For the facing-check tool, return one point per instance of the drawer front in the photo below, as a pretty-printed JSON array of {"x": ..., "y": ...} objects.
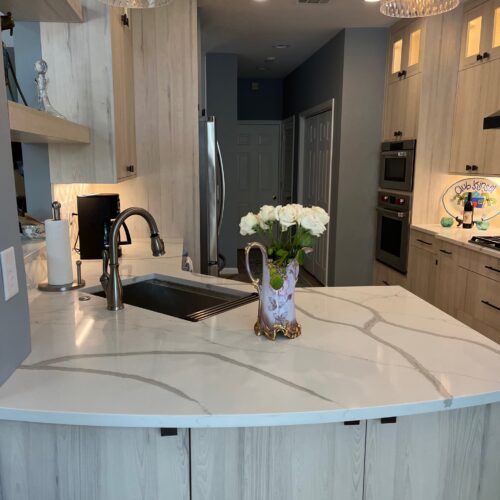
[
  {"x": 481, "y": 264},
  {"x": 446, "y": 252},
  {"x": 385, "y": 276},
  {"x": 423, "y": 240},
  {"x": 482, "y": 299}
]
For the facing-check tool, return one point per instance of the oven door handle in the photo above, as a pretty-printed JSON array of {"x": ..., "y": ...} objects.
[
  {"x": 393, "y": 214},
  {"x": 395, "y": 154}
]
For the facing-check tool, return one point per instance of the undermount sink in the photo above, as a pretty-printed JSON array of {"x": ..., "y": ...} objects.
[{"x": 183, "y": 299}]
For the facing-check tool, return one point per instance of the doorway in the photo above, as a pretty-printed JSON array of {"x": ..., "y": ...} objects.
[
  {"x": 315, "y": 176},
  {"x": 257, "y": 167}
]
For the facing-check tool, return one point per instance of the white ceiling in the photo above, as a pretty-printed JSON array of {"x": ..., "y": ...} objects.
[{"x": 250, "y": 28}]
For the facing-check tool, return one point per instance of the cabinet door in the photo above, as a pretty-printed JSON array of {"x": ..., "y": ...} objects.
[
  {"x": 446, "y": 455},
  {"x": 492, "y": 151},
  {"x": 474, "y": 36},
  {"x": 319, "y": 462},
  {"x": 445, "y": 296},
  {"x": 393, "y": 110},
  {"x": 397, "y": 49},
  {"x": 123, "y": 89},
  {"x": 493, "y": 30},
  {"x": 414, "y": 44},
  {"x": 385, "y": 276},
  {"x": 422, "y": 273},
  {"x": 410, "y": 106},
  {"x": 469, "y": 140}
]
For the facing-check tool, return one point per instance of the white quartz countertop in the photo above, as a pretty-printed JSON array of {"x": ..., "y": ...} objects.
[
  {"x": 460, "y": 236},
  {"x": 365, "y": 352}
]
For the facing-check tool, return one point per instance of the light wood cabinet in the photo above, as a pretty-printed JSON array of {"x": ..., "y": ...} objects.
[
  {"x": 92, "y": 82},
  {"x": 445, "y": 293},
  {"x": 385, "y": 276},
  {"x": 422, "y": 272},
  {"x": 48, "y": 462},
  {"x": 469, "y": 138},
  {"x": 402, "y": 108},
  {"x": 437, "y": 455},
  {"x": 317, "y": 462},
  {"x": 405, "y": 51},
  {"x": 492, "y": 147}
]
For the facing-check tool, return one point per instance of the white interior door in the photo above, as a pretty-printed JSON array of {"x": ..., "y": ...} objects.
[
  {"x": 317, "y": 182},
  {"x": 257, "y": 163}
]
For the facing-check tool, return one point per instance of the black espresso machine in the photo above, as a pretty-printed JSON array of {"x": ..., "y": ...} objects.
[{"x": 96, "y": 213}]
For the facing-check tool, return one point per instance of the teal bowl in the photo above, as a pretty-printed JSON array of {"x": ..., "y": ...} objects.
[{"x": 447, "y": 221}]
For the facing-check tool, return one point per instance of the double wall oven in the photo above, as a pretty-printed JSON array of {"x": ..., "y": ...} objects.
[{"x": 397, "y": 165}]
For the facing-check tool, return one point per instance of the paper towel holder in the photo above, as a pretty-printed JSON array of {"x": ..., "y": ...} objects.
[{"x": 79, "y": 283}]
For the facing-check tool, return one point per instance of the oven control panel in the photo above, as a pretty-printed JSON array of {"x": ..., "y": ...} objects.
[{"x": 401, "y": 202}]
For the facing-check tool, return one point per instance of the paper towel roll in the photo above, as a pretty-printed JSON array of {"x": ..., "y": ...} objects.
[{"x": 59, "y": 265}]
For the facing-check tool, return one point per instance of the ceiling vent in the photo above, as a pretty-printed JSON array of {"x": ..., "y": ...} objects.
[{"x": 313, "y": 1}]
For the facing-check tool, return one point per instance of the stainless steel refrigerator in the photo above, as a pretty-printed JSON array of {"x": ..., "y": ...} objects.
[{"x": 212, "y": 198}]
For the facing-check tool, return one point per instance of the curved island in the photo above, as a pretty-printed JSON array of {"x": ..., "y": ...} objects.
[{"x": 382, "y": 397}]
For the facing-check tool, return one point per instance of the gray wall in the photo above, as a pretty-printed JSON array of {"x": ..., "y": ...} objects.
[
  {"x": 222, "y": 102},
  {"x": 266, "y": 103},
  {"x": 349, "y": 69},
  {"x": 27, "y": 50},
  {"x": 14, "y": 325}
]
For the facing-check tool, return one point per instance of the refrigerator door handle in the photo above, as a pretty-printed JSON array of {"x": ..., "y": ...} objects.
[{"x": 222, "y": 189}]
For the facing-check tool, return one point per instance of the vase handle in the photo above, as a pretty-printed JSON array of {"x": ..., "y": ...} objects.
[{"x": 262, "y": 248}]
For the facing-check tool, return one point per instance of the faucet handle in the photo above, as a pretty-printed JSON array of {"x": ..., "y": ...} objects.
[{"x": 104, "y": 279}]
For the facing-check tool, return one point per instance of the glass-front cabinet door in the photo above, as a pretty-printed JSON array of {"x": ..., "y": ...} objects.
[
  {"x": 396, "y": 48},
  {"x": 474, "y": 36},
  {"x": 414, "y": 46}
]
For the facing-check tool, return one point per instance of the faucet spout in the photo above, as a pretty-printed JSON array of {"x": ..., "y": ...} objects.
[{"x": 111, "y": 281}]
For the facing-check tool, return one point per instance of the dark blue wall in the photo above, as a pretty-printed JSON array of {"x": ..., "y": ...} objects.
[{"x": 266, "y": 103}]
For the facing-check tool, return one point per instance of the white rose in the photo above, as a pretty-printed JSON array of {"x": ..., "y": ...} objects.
[
  {"x": 310, "y": 220},
  {"x": 322, "y": 215},
  {"x": 262, "y": 223},
  {"x": 288, "y": 215},
  {"x": 248, "y": 224},
  {"x": 268, "y": 213}
]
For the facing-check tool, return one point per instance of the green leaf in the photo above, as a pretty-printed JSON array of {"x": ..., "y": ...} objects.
[
  {"x": 276, "y": 281},
  {"x": 300, "y": 257}
]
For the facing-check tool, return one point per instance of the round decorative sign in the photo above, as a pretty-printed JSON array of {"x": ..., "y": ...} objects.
[{"x": 485, "y": 198}]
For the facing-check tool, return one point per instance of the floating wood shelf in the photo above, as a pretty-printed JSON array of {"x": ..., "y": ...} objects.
[
  {"x": 31, "y": 125},
  {"x": 59, "y": 11}
]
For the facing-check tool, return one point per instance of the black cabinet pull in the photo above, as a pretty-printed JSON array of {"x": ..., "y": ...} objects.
[
  {"x": 479, "y": 57},
  {"x": 386, "y": 283},
  {"x": 489, "y": 304},
  {"x": 486, "y": 55},
  {"x": 492, "y": 269},
  {"x": 130, "y": 168},
  {"x": 424, "y": 242},
  {"x": 388, "y": 420},
  {"x": 475, "y": 168},
  {"x": 445, "y": 252},
  {"x": 468, "y": 167},
  {"x": 168, "y": 431},
  {"x": 403, "y": 73},
  {"x": 352, "y": 422},
  {"x": 125, "y": 21}
]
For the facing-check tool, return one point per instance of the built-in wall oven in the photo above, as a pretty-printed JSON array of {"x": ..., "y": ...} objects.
[
  {"x": 393, "y": 229},
  {"x": 397, "y": 165}
]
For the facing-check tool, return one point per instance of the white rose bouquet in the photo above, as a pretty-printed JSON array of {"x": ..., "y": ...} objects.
[{"x": 289, "y": 232}]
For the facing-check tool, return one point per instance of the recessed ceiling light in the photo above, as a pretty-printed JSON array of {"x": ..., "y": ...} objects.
[
  {"x": 281, "y": 46},
  {"x": 262, "y": 68},
  {"x": 372, "y": 1},
  {"x": 270, "y": 59}
]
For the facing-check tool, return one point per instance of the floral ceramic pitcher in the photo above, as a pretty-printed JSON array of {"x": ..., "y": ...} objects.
[{"x": 276, "y": 307}]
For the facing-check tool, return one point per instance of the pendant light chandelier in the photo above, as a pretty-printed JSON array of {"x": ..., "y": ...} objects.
[
  {"x": 136, "y": 4},
  {"x": 416, "y": 8}
]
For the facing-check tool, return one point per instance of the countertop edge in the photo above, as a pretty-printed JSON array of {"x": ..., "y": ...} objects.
[{"x": 244, "y": 421}]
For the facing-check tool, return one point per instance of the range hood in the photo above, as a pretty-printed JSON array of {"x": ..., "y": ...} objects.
[{"x": 492, "y": 121}]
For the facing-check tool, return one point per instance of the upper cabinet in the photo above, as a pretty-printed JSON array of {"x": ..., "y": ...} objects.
[
  {"x": 92, "y": 82},
  {"x": 405, "y": 51},
  {"x": 474, "y": 150},
  {"x": 481, "y": 34},
  {"x": 402, "y": 97}
]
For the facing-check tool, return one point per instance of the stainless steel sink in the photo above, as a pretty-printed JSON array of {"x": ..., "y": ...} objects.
[{"x": 183, "y": 299}]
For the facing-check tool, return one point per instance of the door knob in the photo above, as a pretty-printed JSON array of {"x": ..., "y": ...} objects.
[{"x": 275, "y": 197}]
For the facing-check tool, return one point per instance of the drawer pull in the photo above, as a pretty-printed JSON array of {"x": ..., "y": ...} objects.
[
  {"x": 492, "y": 269},
  {"x": 424, "y": 242},
  {"x": 445, "y": 252},
  {"x": 486, "y": 303},
  {"x": 386, "y": 283}
]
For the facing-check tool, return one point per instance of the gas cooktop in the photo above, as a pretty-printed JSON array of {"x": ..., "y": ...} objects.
[{"x": 487, "y": 241}]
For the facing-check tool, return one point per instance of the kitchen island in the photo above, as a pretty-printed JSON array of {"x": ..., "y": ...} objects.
[{"x": 382, "y": 397}]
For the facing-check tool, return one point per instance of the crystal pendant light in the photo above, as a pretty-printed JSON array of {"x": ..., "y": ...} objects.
[
  {"x": 136, "y": 4},
  {"x": 416, "y": 8}
]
